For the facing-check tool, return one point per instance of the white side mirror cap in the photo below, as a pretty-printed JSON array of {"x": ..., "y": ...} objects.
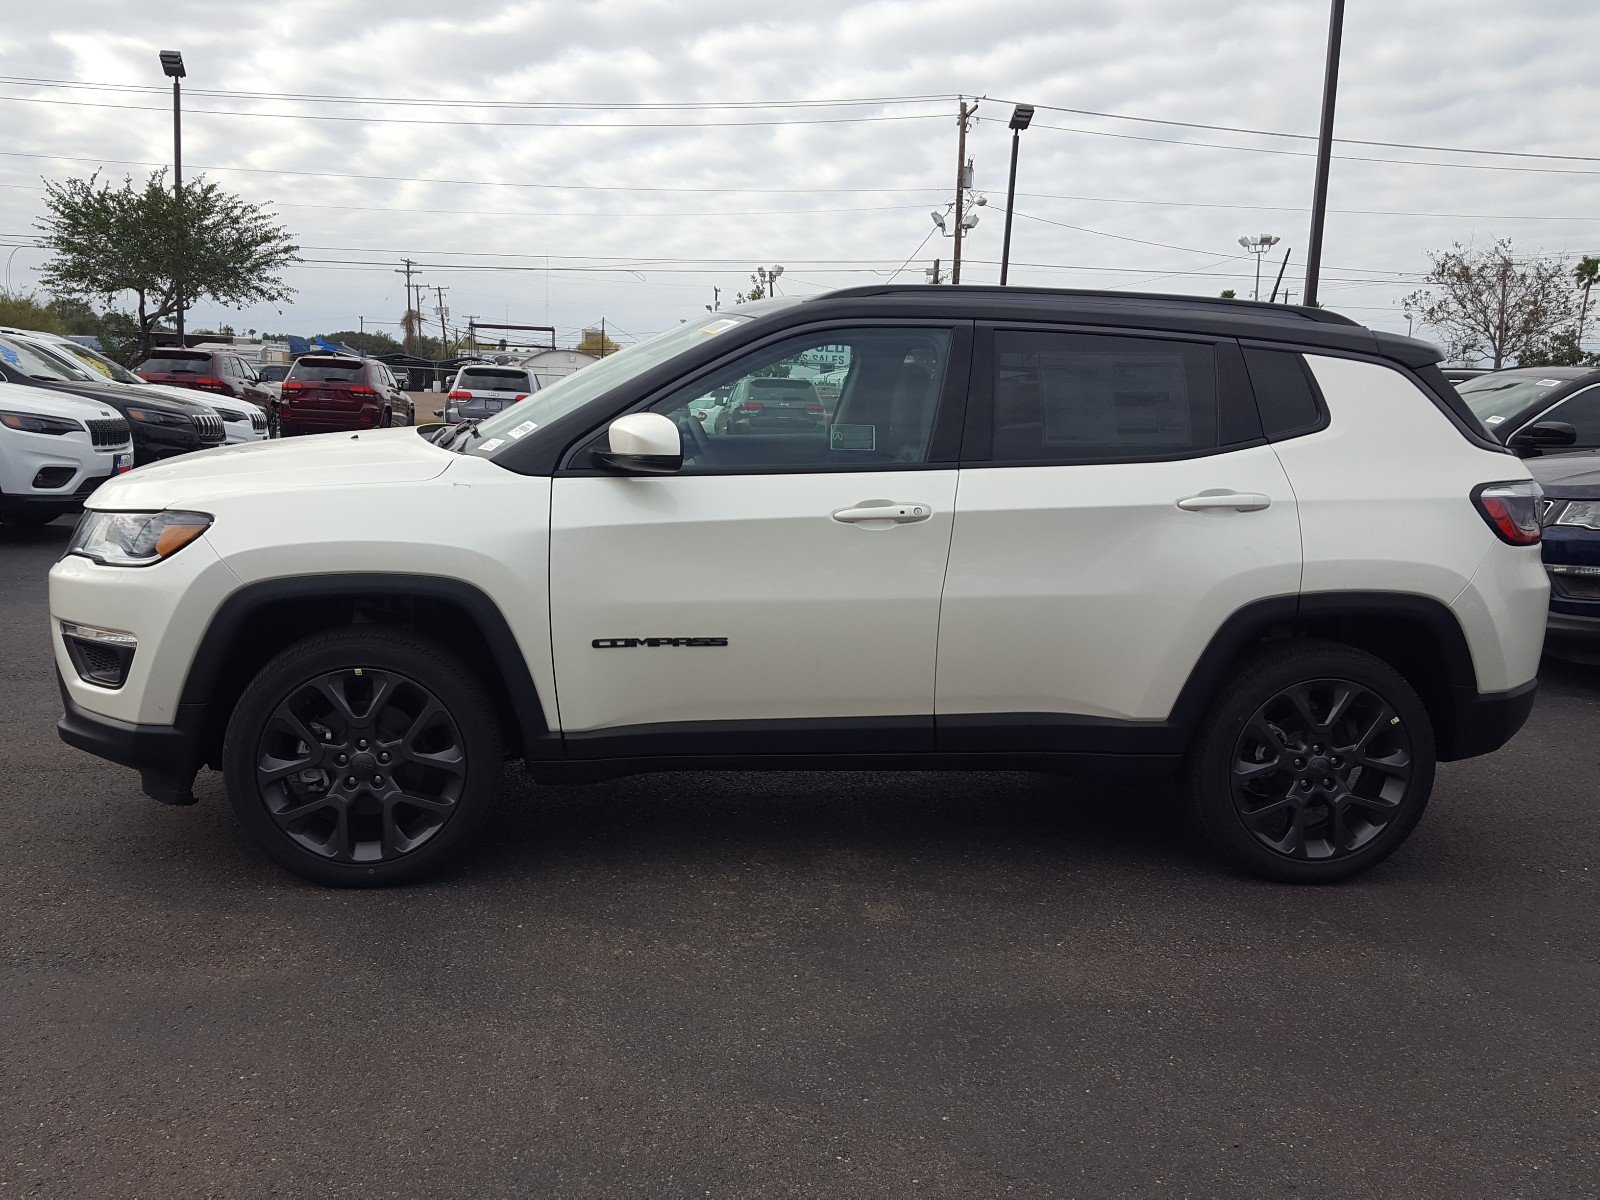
[{"x": 644, "y": 444}]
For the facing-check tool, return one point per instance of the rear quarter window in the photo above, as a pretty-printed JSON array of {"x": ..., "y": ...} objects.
[{"x": 1286, "y": 393}]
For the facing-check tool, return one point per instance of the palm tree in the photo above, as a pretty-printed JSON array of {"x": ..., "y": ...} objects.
[{"x": 1586, "y": 273}]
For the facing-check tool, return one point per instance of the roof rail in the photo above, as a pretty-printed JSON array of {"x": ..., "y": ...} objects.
[{"x": 1163, "y": 299}]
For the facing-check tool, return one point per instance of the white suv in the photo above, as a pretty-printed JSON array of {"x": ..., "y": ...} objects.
[
  {"x": 54, "y": 451},
  {"x": 1256, "y": 548}
]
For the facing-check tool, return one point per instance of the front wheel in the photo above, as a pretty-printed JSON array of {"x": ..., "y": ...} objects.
[
  {"x": 362, "y": 757},
  {"x": 1315, "y": 763}
]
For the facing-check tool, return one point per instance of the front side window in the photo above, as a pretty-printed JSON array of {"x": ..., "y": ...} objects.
[
  {"x": 1073, "y": 397},
  {"x": 1582, "y": 412},
  {"x": 839, "y": 400}
]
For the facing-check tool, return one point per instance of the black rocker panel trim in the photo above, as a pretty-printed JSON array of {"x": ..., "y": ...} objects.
[
  {"x": 703, "y": 739},
  {"x": 233, "y": 616}
]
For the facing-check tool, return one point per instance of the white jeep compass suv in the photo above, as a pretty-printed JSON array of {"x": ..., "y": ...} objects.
[{"x": 1256, "y": 548}]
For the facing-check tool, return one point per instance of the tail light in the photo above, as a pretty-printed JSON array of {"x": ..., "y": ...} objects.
[
  {"x": 1511, "y": 510},
  {"x": 144, "y": 375},
  {"x": 290, "y": 385},
  {"x": 209, "y": 383},
  {"x": 752, "y": 406},
  {"x": 362, "y": 389},
  {"x": 461, "y": 395},
  {"x": 522, "y": 395},
  {"x": 814, "y": 408}
]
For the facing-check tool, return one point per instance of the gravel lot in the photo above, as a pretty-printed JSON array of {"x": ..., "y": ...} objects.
[{"x": 819, "y": 985}]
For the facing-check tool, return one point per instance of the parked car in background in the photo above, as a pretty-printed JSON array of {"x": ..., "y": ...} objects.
[
  {"x": 334, "y": 393},
  {"x": 55, "y": 449},
  {"x": 479, "y": 392},
  {"x": 272, "y": 372},
  {"x": 214, "y": 372},
  {"x": 1462, "y": 374},
  {"x": 1536, "y": 410},
  {"x": 1570, "y": 514},
  {"x": 1143, "y": 537},
  {"x": 773, "y": 405},
  {"x": 242, "y": 421},
  {"x": 163, "y": 425}
]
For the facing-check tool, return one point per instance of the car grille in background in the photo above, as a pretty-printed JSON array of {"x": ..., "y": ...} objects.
[
  {"x": 1575, "y": 583},
  {"x": 210, "y": 428},
  {"x": 258, "y": 420},
  {"x": 109, "y": 433}
]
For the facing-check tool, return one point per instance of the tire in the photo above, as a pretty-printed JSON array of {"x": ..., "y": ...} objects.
[
  {"x": 385, "y": 420},
  {"x": 389, "y": 709},
  {"x": 1314, "y": 764}
]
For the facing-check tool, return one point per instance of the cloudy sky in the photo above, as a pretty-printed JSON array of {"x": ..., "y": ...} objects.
[{"x": 553, "y": 162}]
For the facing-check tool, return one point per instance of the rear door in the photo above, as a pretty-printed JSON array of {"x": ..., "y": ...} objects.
[
  {"x": 780, "y": 593},
  {"x": 1117, "y": 505}
]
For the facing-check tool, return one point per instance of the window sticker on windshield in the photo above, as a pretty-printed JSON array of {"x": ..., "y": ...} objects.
[
  {"x": 11, "y": 356},
  {"x": 719, "y": 326},
  {"x": 492, "y": 444},
  {"x": 524, "y": 429},
  {"x": 1548, "y": 382},
  {"x": 1494, "y": 420},
  {"x": 853, "y": 437}
]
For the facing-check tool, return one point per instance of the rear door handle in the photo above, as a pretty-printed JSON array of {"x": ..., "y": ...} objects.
[
  {"x": 1238, "y": 501},
  {"x": 898, "y": 512}
]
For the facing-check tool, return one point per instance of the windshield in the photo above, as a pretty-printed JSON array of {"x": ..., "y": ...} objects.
[
  {"x": 98, "y": 363},
  {"x": 38, "y": 363},
  {"x": 1496, "y": 398},
  {"x": 572, "y": 392}
]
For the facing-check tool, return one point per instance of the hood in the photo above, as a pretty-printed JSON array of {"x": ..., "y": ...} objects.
[
  {"x": 1567, "y": 476},
  {"x": 120, "y": 395},
  {"x": 43, "y": 402},
  {"x": 327, "y": 460}
]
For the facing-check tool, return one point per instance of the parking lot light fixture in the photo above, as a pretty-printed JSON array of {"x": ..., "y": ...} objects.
[
  {"x": 1021, "y": 118},
  {"x": 1258, "y": 244},
  {"x": 172, "y": 67}
]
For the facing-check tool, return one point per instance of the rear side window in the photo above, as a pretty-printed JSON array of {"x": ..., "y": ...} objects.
[
  {"x": 1286, "y": 394},
  {"x": 1073, "y": 397},
  {"x": 327, "y": 370}
]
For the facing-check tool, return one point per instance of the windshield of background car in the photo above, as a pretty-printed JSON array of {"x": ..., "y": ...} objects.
[
  {"x": 177, "y": 362},
  {"x": 98, "y": 363},
  {"x": 572, "y": 392},
  {"x": 38, "y": 363},
  {"x": 326, "y": 370},
  {"x": 492, "y": 381},
  {"x": 1494, "y": 399}
]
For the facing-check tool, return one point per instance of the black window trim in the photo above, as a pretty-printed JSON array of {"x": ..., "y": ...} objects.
[
  {"x": 977, "y": 446},
  {"x": 1324, "y": 414},
  {"x": 943, "y": 444}
]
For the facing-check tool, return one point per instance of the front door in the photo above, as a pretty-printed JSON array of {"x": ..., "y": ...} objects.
[{"x": 779, "y": 594}]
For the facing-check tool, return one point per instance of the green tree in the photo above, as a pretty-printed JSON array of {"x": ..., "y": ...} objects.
[
  {"x": 144, "y": 241},
  {"x": 1585, "y": 274},
  {"x": 597, "y": 344},
  {"x": 1490, "y": 303},
  {"x": 1228, "y": 295},
  {"x": 373, "y": 342},
  {"x": 757, "y": 291},
  {"x": 24, "y": 312}
]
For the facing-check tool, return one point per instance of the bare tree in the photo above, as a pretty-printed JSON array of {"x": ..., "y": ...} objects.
[{"x": 1488, "y": 303}]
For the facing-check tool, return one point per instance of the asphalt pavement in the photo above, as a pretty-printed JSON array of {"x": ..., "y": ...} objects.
[{"x": 845, "y": 985}]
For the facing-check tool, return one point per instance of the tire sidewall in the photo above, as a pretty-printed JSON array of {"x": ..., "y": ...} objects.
[
  {"x": 393, "y": 650},
  {"x": 1208, "y": 781}
]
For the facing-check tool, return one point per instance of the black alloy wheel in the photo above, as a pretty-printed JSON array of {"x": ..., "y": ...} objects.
[
  {"x": 361, "y": 765},
  {"x": 363, "y": 756},
  {"x": 1314, "y": 762},
  {"x": 1321, "y": 769}
]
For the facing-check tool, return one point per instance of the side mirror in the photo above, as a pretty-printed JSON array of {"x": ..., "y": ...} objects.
[
  {"x": 1543, "y": 435},
  {"x": 643, "y": 444}
]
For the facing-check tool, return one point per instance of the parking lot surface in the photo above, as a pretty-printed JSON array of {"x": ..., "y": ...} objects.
[{"x": 830, "y": 985}]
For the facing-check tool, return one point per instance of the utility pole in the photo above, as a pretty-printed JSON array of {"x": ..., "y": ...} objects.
[
  {"x": 405, "y": 328},
  {"x": 933, "y": 273},
  {"x": 1319, "y": 195},
  {"x": 961, "y": 184},
  {"x": 361, "y": 324},
  {"x": 472, "y": 332},
  {"x": 444, "y": 335},
  {"x": 602, "y": 337}
]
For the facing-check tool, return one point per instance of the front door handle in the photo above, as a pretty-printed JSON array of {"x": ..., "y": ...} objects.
[
  {"x": 896, "y": 512},
  {"x": 1218, "y": 498}
]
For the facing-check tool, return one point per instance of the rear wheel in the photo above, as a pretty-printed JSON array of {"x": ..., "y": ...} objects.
[
  {"x": 1315, "y": 764},
  {"x": 363, "y": 757}
]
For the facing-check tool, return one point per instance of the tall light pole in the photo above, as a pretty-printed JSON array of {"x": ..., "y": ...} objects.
[
  {"x": 172, "y": 66},
  {"x": 1021, "y": 117},
  {"x": 1319, "y": 191},
  {"x": 1258, "y": 244}
]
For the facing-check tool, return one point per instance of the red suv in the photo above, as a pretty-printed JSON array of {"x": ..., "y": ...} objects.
[
  {"x": 333, "y": 393},
  {"x": 218, "y": 372}
]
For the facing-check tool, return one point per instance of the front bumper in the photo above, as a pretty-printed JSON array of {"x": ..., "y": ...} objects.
[{"x": 167, "y": 757}]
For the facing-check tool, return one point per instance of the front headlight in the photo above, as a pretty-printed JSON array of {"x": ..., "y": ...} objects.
[
  {"x": 1580, "y": 512},
  {"x": 150, "y": 416},
  {"x": 116, "y": 539},
  {"x": 30, "y": 423}
]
